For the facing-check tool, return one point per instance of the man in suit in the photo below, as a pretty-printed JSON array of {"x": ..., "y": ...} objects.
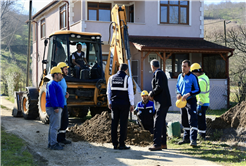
[{"x": 162, "y": 101}]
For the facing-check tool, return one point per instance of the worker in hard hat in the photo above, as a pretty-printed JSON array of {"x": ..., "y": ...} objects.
[
  {"x": 202, "y": 98},
  {"x": 187, "y": 89},
  {"x": 61, "y": 138},
  {"x": 145, "y": 110},
  {"x": 54, "y": 106}
]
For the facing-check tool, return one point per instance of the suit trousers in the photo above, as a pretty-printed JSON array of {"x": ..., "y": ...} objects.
[
  {"x": 189, "y": 120},
  {"x": 119, "y": 113},
  {"x": 202, "y": 122},
  {"x": 160, "y": 130},
  {"x": 64, "y": 124}
]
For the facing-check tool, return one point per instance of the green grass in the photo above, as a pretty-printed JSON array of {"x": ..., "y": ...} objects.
[
  {"x": 212, "y": 151},
  {"x": 3, "y": 107},
  {"x": 14, "y": 150},
  {"x": 11, "y": 99}
]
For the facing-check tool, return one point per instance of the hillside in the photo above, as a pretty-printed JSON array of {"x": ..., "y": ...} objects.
[{"x": 226, "y": 11}]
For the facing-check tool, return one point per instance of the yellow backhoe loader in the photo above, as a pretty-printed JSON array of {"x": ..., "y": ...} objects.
[{"x": 88, "y": 91}]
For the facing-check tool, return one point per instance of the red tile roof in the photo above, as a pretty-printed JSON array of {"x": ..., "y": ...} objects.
[{"x": 143, "y": 43}]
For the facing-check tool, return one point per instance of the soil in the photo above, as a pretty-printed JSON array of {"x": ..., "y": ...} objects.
[
  {"x": 233, "y": 122},
  {"x": 98, "y": 130}
]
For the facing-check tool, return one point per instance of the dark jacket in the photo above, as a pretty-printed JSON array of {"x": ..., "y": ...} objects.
[
  {"x": 119, "y": 88},
  {"x": 160, "y": 91}
]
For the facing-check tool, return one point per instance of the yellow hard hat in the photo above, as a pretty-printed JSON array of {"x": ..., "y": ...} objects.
[
  {"x": 55, "y": 70},
  {"x": 62, "y": 64},
  {"x": 144, "y": 92},
  {"x": 180, "y": 103},
  {"x": 195, "y": 66}
]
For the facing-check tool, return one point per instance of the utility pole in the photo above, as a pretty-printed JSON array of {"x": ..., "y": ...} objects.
[
  {"x": 29, "y": 43},
  {"x": 225, "y": 30}
]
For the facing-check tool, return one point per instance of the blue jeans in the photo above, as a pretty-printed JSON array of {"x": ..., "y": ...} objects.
[
  {"x": 77, "y": 71},
  {"x": 55, "y": 123}
]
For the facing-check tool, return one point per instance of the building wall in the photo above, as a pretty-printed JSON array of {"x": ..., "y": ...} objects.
[
  {"x": 147, "y": 22},
  {"x": 51, "y": 24}
]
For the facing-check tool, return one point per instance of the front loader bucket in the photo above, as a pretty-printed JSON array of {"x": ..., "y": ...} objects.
[{"x": 16, "y": 112}]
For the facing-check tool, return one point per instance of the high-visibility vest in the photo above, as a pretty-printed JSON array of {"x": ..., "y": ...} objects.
[{"x": 203, "y": 96}]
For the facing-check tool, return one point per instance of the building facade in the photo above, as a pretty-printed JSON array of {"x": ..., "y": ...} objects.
[{"x": 169, "y": 31}]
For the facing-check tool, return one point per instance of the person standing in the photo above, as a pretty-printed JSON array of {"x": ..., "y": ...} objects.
[
  {"x": 187, "y": 89},
  {"x": 120, "y": 98},
  {"x": 202, "y": 98},
  {"x": 61, "y": 137},
  {"x": 162, "y": 101},
  {"x": 54, "y": 106},
  {"x": 145, "y": 110}
]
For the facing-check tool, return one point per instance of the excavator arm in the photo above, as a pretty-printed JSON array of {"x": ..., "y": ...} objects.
[{"x": 119, "y": 51}]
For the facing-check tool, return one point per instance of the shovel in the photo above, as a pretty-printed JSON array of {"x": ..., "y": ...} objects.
[{"x": 135, "y": 113}]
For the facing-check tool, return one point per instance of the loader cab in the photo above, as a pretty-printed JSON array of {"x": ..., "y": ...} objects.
[{"x": 62, "y": 44}]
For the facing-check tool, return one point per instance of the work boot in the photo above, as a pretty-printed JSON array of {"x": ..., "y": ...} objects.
[
  {"x": 163, "y": 146},
  {"x": 65, "y": 142},
  {"x": 116, "y": 147},
  {"x": 56, "y": 147},
  {"x": 184, "y": 141},
  {"x": 193, "y": 143},
  {"x": 155, "y": 148},
  {"x": 124, "y": 147}
]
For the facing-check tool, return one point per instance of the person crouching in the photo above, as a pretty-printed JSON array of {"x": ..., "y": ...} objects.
[{"x": 145, "y": 110}]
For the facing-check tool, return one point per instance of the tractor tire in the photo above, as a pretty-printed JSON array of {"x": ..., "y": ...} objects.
[
  {"x": 29, "y": 107},
  {"x": 16, "y": 113},
  {"x": 41, "y": 105},
  {"x": 78, "y": 111},
  {"x": 98, "y": 110}
]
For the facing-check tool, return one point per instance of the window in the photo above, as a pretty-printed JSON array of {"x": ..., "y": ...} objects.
[
  {"x": 99, "y": 11},
  {"x": 174, "y": 12},
  {"x": 214, "y": 66},
  {"x": 135, "y": 68},
  {"x": 130, "y": 13},
  {"x": 63, "y": 17},
  {"x": 43, "y": 28}
]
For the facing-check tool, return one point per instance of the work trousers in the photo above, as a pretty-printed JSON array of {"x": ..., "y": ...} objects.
[
  {"x": 160, "y": 130},
  {"x": 64, "y": 124},
  {"x": 189, "y": 120},
  {"x": 119, "y": 113},
  {"x": 202, "y": 121},
  {"x": 55, "y": 123}
]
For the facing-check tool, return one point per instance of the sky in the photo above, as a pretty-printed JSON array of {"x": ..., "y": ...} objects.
[{"x": 39, "y": 4}]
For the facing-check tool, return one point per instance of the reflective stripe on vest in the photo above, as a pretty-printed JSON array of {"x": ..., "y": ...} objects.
[
  {"x": 121, "y": 88},
  {"x": 207, "y": 91}
]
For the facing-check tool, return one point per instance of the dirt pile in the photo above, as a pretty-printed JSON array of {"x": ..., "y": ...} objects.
[
  {"x": 235, "y": 117},
  {"x": 98, "y": 129}
]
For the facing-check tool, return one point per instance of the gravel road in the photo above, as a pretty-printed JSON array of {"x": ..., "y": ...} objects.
[{"x": 84, "y": 153}]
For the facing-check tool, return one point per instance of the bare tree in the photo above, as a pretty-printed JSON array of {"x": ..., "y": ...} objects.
[{"x": 6, "y": 8}]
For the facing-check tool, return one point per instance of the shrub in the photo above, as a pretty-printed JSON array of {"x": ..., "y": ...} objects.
[{"x": 13, "y": 77}]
